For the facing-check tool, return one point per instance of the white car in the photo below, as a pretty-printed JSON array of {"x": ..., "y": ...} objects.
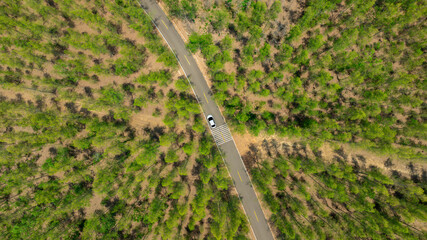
[{"x": 211, "y": 121}]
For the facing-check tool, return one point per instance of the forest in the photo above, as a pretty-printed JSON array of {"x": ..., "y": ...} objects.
[
  {"x": 325, "y": 71},
  {"x": 310, "y": 198},
  {"x": 102, "y": 138},
  {"x": 76, "y": 160},
  {"x": 338, "y": 73}
]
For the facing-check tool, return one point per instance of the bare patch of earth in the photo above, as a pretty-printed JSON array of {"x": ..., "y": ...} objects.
[
  {"x": 95, "y": 204},
  {"x": 353, "y": 155}
]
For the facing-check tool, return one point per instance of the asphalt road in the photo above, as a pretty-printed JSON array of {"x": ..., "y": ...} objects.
[{"x": 221, "y": 133}]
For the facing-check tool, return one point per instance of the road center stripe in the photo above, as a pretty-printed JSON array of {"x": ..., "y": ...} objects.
[
  {"x": 165, "y": 25},
  {"x": 206, "y": 98},
  {"x": 256, "y": 216}
]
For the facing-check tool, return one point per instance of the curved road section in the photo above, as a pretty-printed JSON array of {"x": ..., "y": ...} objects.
[{"x": 221, "y": 133}]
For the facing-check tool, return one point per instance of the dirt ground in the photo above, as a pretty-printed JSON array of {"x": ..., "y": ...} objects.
[
  {"x": 363, "y": 158},
  {"x": 95, "y": 204}
]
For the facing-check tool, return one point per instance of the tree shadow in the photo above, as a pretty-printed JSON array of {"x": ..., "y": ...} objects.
[
  {"x": 85, "y": 112},
  {"x": 71, "y": 107},
  {"x": 396, "y": 174},
  {"x": 355, "y": 163},
  {"x": 265, "y": 145},
  {"x": 130, "y": 132},
  {"x": 109, "y": 117},
  {"x": 251, "y": 157},
  {"x": 318, "y": 153},
  {"x": 40, "y": 104},
  {"x": 388, "y": 163},
  {"x": 361, "y": 158},
  {"x": 275, "y": 145},
  {"x": 232, "y": 30},
  {"x": 299, "y": 150},
  {"x": 52, "y": 151},
  {"x": 286, "y": 148},
  {"x": 414, "y": 172},
  {"x": 154, "y": 132},
  {"x": 274, "y": 39},
  {"x": 88, "y": 92},
  {"x": 362, "y": 161},
  {"x": 18, "y": 98},
  {"x": 195, "y": 171},
  {"x": 341, "y": 153},
  {"x": 337, "y": 158},
  {"x": 193, "y": 234},
  {"x": 424, "y": 176},
  {"x": 267, "y": 65}
]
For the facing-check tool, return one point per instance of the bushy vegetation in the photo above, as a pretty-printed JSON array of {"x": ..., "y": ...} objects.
[{"x": 74, "y": 165}]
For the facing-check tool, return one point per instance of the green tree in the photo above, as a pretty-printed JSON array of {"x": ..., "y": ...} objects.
[
  {"x": 226, "y": 43},
  {"x": 148, "y": 154},
  {"x": 264, "y": 52},
  {"x": 205, "y": 176},
  {"x": 243, "y": 22},
  {"x": 111, "y": 97},
  {"x": 168, "y": 179},
  {"x": 301, "y": 58},
  {"x": 189, "y": 8},
  {"x": 178, "y": 190},
  {"x": 188, "y": 148},
  {"x": 155, "y": 211},
  {"x": 205, "y": 146},
  {"x": 259, "y": 9},
  {"x": 285, "y": 52},
  {"x": 47, "y": 192},
  {"x": 274, "y": 10},
  {"x": 248, "y": 53},
  {"x": 167, "y": 139},
  {"x": 220, "y": 19},
  {"x": 171, "y": 156},
  {"x": 294, "y": 33},
  {"x": 198, "y": 126},
  {"x": 182, "y": 85},
  {"x": 316, "y": 42}
]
